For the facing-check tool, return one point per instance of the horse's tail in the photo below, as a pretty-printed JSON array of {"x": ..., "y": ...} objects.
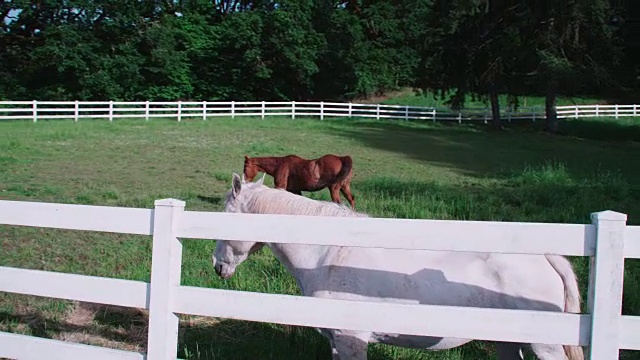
[
  {"x": 571, "y": 297},
  {"x": 345, "y": 170}
]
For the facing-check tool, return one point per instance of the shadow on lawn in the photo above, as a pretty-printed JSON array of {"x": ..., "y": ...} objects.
[
  {"x": 245, "y": 340},
  {"x": 475, "y": 151},
  {"x": 107, "y": 325}
]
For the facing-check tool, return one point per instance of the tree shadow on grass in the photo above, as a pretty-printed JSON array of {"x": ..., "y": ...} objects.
[
  {"x": 604, "y": 129},
  {"x": 108, "y": 326},
  {"x": 233, "y": 339},
  {"x": 247, "y": 340},
  {"x": 475, "y": 151}
]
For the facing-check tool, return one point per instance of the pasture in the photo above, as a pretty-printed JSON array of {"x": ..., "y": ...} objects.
[{"x": 401, "y": 169}]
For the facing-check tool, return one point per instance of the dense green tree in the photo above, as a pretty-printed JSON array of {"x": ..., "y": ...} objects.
[
  {"x": 472, "y": 47},
  {"x": 574, "y": 48},
  {"x": 309, "y": 49}
]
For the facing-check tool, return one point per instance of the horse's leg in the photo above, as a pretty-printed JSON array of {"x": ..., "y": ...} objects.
[
  {"x": 281, "y": 179},
  {"x": 348, "y": 345},
  {"x": 335, "y": 193},
  {"x": 509, "y": 351},
  {"x": 346, "y": 191},
  {"x": 548, "y": 352}
]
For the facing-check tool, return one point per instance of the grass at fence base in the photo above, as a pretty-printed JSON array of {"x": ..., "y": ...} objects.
[{"x": 402, "y": 169}]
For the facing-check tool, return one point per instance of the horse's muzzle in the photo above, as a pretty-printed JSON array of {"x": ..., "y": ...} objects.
[{"x": 223, "y": 271}]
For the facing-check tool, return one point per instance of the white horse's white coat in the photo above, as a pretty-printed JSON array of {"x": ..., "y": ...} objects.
[{"x": 510, "y": 281}]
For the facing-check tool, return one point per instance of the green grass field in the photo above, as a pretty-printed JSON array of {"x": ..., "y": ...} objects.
[{"x": 402, "y": 169}]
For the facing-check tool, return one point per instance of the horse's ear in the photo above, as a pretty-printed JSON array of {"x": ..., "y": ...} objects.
[
  {"x": 246, "y": 158},
  {"x": 261, "y": 180},
  {"x": 236, "y": 185}
]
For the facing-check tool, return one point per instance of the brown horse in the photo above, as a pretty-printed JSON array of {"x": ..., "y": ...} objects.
[{"x": 296, "y": 174}]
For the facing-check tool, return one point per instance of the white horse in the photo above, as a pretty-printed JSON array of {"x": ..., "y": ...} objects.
[{"x": 508, "y": 281}]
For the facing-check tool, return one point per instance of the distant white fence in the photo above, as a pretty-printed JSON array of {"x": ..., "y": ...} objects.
[
  {"x": 608, "y": 241},
  {"x": 41, "y": 110},
  {"x": 579, "y": 111},
  {"x": 44, "y": 110}
]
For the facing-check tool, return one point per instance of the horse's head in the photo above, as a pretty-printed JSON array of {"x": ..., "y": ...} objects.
[
  {"x": 251, "y": 168},
  {"x": 229, "y": 254}
]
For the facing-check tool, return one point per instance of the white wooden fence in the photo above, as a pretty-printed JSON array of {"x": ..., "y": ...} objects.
[
  {"x": 608, "y": 241},
  {"x": 41, "y": 110},
  {"x": 578, "y": 111}
]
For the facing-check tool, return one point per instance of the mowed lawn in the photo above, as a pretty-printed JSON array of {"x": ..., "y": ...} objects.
[{"x": 402, "y": 169}]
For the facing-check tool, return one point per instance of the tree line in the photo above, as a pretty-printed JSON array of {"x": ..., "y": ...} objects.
[{"x": 317, "y": 49}]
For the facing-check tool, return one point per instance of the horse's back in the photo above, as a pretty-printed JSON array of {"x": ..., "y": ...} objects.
[
  {"x": 446, "y": 278},
  {"x": 332, "y": 166}
]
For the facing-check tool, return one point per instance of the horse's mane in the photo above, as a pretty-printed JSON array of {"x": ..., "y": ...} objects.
[{"x": 265, "y": 200}]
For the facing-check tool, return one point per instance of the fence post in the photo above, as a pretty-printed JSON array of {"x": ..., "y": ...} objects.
[
  {"x": 293, "y": 110},
  {"x": 533, "y": 111},
  {"x": 406, "y": 112},
  {"x": 35, "y": 110},
  {"x": 350, "y": 109},
  {"x": 262, "y": 111},
  {"x": 110, "y": 110},
  {"x": 162, "y": 342},
  {"x": 616, "y": 108},
  {"x": 321, "y": 110},
  {"x": 377, "y": 111},
  {"x": 233, "y": 109},
  {"x": 459, "y": 117},
  {"x": 597, "y": 110},
  {"x": 605, "y": 284},
  {"x": 76, "y": 111},
  {"x": 576, "y": 112},
  {"x": 179, "y": 111},
  {"x": 485, "y": 115},
  {"x": 204, "y": 110},
  {"x": 146, "y": 110},
  {"x": 434, "y": 114},
  {"x": 634, "y": 110}
]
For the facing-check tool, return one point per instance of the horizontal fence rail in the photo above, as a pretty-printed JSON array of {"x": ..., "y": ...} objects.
[
  {"x": 607, "y": 240},
  {"x": 580, "y": 111},
  {"x": 181, "y": 110}
]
